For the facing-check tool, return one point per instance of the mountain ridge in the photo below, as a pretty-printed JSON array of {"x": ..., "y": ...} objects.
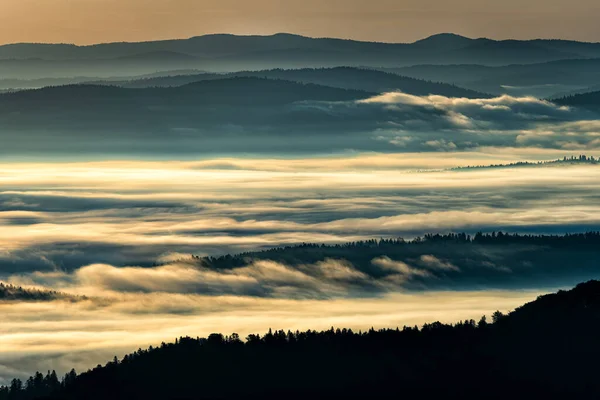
[
  {"x": 268, "y": 51},
  {"x": 432, "y": 36},
  {"x": 340, "y": 77}
]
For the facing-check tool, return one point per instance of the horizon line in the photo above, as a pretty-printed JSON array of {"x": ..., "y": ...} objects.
[{"x": 249, "y": 35}]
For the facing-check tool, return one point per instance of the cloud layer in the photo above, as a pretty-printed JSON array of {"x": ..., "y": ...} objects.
[
  {"x": 121, "y": 232},
  {"x": 62, "y": 335},
  {"x": 430, "y": 123},
  {"x": 64, "y": 216},
  {"x": 261, "y": 277}
]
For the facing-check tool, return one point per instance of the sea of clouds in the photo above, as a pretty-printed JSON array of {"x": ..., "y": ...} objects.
[{"x": 121, "y": 232}]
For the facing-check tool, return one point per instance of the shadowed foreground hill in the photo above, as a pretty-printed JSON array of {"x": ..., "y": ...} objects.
[{"x": 545, "y": 349}]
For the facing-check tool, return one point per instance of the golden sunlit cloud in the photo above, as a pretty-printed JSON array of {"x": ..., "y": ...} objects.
[
  {"x": 63, "y": 335},
  {"x": 82, "y": 228}
]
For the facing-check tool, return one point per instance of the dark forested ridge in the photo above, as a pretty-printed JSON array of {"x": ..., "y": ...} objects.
[
  {"x": 545, "y": 349},
  {"x": 452, "y": 261},
  {"x": 246, "y": 101},
  {"x": 228, "y": 90},
  {"x": 586, "y": 100},
  {"x": 586, "y": 239},
  {"x": 211, "y": 113}
]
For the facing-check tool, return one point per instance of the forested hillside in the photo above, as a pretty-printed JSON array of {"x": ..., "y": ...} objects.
[{"x": 544, "y": 349}]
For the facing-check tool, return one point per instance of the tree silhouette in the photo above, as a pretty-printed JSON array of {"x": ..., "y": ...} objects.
[{"x": 544, "y": 349}]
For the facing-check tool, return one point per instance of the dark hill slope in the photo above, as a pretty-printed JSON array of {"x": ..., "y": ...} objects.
[
  {"x": 86, "y": 110},
  {"x": 545, "y": 349},
  {"x": 228, "y": 91}
]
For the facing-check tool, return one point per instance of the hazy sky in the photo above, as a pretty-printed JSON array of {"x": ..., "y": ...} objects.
[{"x": 92, "y": 21}]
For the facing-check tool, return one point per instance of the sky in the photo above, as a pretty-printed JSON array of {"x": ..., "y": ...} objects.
[{"x": 95, "y": 21}]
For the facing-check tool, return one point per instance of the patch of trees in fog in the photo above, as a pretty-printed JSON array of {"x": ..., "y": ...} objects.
[
  {"x": 573, "y": 160},
  {"x": 10, "y": 292}
]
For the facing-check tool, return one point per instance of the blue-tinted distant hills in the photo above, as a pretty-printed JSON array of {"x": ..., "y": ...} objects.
[
  {"x": 225, "y": 45},
  {"x": 588, "y": 89},
  {"x": 164, "y": 55},
  {"x": 85, "y": 108},
  {"x": 540, "y": 79},
  {"x": 19, "y": 84},
  {"x": 445, "y": 41},
  {"x": 229, "y": 53},
  {"x": 339, "y": 77},
  {"x": 226, "y": 115},
  {"x": 230, "y": 91}
]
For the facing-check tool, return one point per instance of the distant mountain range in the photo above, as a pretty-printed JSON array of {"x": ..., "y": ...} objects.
[
  {"x": 230, "y": 114},
  {"x": 250, "y": 112},
  {"x": 18, "y": 84},
  {"x": 230, "y": 53},
  {"x": 541, "y": 79},
  {"x": 234, "y": 91},
  {"x": 339, "y": 77},
  {"x": 242, "y": 99},
  {"x": 588, "y": 89}
]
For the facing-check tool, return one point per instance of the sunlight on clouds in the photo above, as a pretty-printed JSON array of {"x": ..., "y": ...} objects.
[
  {"x": 175, "y": 204},
  {"x": 63, "y": 335},
  {"x": 167, "y": 210},
  {"x": 98, "y": 228}
]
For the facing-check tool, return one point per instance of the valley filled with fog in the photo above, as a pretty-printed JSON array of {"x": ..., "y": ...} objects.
[{"x": 236, "y": 184}]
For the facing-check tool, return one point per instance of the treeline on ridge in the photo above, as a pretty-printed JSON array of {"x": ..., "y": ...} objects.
[
  {"x": 545, "y": 349},
  {"x": 428, "y": 242}
]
